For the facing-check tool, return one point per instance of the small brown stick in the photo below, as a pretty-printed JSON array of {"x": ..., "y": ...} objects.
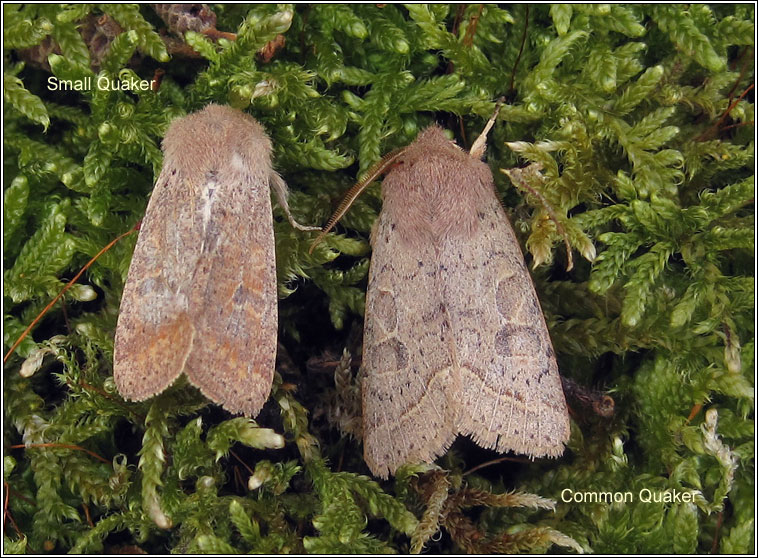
[
  {"x": 155, "y": 83},
  {"x": 63, "y": 291},
  {"x": 744, "y": 67},
  {"x": 245, "y": 465},
  {"x": 739, "y": 124},
  {"x": 215, "y": 34},
  {"x": 458, "y": 17},
  {"x": 7, "y": 514},
  {"x": 495, "y": 462},
  {"x": 87, "y": 515},
  {"x": 520, "y": 50},
  {"x": 468, "y": 39},
  {"x": 64, "y": 446},
  {"x": 238, "y": 480},
  {"x": 719, "y": 522},
  {"x": 712, "y": 130}
]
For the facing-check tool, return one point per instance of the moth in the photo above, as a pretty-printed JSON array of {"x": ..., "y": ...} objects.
[
  {"x": 455, "y": 341},
  {"x": 200, "y": 297}
]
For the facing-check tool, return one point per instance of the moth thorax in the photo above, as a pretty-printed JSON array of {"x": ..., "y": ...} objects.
[{"x": 439, "y": 196}]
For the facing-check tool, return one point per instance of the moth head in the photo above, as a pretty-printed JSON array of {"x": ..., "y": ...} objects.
[{"x": 432, "y": 138}]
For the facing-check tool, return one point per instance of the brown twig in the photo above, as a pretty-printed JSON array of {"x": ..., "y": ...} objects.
[
  {"x": 245, "y": 465},
  {"x": 458, "y": 18},
  {"x": 744, "y": 67},
  {"x": 495, "y": 462},
  {"x": 468, "y": 38},
  {"x": 468, "y": 41},
  {"x": 738, "y": 124},
  {"x": 719, "y": 522},
  {"x": 239, "y": 483},
  {"x": 520, "y": 50},
  {"x": 712, "y": 129},
  {"x": 7, "y": 516},
  {"x": 215, "y": 34},
  {"x": 17, "y": 494},
  {"x": 155, "y": 83},
  {"x": 66, "y": 288},
  {"x": 64, "y": 446},
  {"x": 85, "y": 507}
]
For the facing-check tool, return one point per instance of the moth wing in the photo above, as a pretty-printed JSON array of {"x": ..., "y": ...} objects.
[
  {"x": 234, "y": 298},
  {"x": 512, "y": 397},
  {"x": 201, "y": 293},
  {"x": 154, "y": 326},
  {"x": 408, "y": 383}
]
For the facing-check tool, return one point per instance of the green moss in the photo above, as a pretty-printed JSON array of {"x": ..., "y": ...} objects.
[{"x": 639, "y": 121}]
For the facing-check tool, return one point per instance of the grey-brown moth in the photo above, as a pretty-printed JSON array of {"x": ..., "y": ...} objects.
[
  {"x": 200, "y": 298},
  {"x": 454, "y": 341}
]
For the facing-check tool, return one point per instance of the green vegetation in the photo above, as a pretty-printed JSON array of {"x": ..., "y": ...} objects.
[{"x": 638, "y": 123}]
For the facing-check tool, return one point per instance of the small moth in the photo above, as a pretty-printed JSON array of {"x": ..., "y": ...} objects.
[
  {"x": 454, "y": 340},
  {"x": 200, "y": 297}
]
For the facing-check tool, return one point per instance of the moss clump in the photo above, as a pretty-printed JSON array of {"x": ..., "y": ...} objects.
[{"x": 638, "y": 121}]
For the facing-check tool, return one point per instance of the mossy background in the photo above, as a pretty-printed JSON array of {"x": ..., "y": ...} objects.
[{"x": 642, "y": 119}]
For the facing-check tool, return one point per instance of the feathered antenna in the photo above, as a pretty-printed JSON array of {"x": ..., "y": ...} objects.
[
  {"x": 480, "y": 144},
  {"x": 352, "y": 194},
  {"x": 477, "y": 150}
]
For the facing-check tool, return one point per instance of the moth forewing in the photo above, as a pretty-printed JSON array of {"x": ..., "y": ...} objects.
[
  {"x": 455, "y": 341},
  {"x": 200, "y": 297},
  {"x": 512, "y": 398}
]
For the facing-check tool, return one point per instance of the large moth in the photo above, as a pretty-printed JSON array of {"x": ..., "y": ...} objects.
[
  {"x": 200, "y": 297},
  {"x": 454, "y": 340}
]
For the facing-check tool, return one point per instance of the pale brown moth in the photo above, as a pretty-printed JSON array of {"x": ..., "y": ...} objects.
[
  {"x": 454, "y": 341},
  {"x": 200, "y": 297}
]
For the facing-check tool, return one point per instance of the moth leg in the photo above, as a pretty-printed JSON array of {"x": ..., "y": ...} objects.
[{"x": 280, "y": 189}]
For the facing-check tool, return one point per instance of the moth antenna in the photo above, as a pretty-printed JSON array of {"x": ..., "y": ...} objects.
[
  {"x": 279, "y": 186},
  {"x": 480, "y": 144},
  {"x": 518, "y": 181},
  {"x": 66, "y": 288},
  {"x": 352, "y": 194}
]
